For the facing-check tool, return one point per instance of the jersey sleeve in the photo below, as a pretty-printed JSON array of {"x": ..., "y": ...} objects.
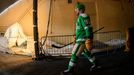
[{"x": 86, "y": 23}]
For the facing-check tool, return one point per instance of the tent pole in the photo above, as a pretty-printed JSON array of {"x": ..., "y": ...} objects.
[{"x": 35, "y": 28}]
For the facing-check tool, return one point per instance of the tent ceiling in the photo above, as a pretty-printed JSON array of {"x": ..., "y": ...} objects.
[{"x": 5, "y": 3}]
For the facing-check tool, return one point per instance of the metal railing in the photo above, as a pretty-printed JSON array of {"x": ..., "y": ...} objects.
[{"x": 60, "y": 40}]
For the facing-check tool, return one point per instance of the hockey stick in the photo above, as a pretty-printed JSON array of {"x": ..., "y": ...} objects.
[
  {"x": 61, "y": 46},
  {"x": 73, "y": 42}
]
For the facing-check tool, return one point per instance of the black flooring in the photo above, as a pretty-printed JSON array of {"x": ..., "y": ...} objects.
[{"x": 112, "y": 63}]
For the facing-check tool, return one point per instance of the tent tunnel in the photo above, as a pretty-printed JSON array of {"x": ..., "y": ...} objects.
[
  {"x": 45, "y": 30},
  {"x": 17, "y": 27}
]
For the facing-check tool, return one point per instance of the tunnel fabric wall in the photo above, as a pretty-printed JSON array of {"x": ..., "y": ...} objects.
[
  {"x": 128, "y": 14},
  {"x": 112, "y": 14},
  {"x": 61, "y": 18},
  {"x": 13, "y": 14}
]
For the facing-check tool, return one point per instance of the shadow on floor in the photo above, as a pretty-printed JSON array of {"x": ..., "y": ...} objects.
[{"x": 117, "y": 63}]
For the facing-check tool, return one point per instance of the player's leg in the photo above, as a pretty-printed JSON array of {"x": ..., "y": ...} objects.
[{"x": 76, "y": 52}]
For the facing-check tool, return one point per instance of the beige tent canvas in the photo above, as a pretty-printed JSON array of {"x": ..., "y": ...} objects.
[
  {"x": 19, "y": 14},
  {"x": 22, "y": 13},
  {"x": 100, "y": 12},
  {"x": 114, "y": 15}
]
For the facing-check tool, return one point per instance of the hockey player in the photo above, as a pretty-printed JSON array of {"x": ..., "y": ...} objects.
[{"x": 84, "y": 39}]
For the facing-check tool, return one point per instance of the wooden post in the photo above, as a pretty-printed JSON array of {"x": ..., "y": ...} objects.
[{"x": 35, "y": 28}]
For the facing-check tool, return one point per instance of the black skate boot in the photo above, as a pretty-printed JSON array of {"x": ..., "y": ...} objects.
[
  {"x": 94, "y": 67},
  {"x": 68, "y": 72}
]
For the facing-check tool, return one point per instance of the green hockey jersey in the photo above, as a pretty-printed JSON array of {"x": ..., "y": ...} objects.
[{"x": 84, "y": 29}]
